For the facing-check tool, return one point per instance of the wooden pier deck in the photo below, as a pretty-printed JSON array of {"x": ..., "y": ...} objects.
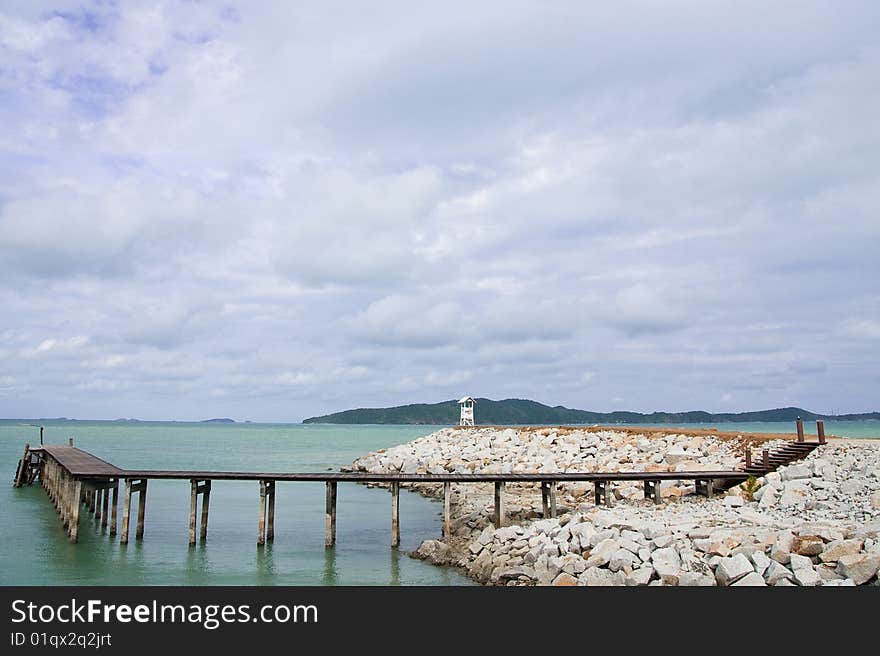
[{"x": 74, "y": 478}]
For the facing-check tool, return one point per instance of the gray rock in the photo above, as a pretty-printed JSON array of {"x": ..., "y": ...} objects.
[
  {"x": 776, "y": 573},
  {"x": 620, "y": 559},
  {"x": 852, "y": 488},
  {"x": 760, "y": 561},
  {"x": 486, "y": 536},
  {"x": 640, "y": 576},
  {"x": 840, "y": 583},
  {"x": 602, "y": 552},
  {"x": 780, "y": 552},
  {"x": 784, "y": 583},
  {"x": 666, "y": 562},
  {"x": 799, "y": 562},
  {"x": 734, "y": 501},
  {"x": 662, "y": 541},
  {"x": 752, "y": 579},
  {"x": 434, "y": 551},
  {"x": 793, "y": 472},
  {"x": 861, "y": 568},
  {"x": 694, "y": 579},
  {"x": 732, "y": 569},
  {"x": 597, "y": 576},
  {"x": 834, "y": 551},
  {"x": 572, "y": 564},
  {"x": 807, "y": 577}
]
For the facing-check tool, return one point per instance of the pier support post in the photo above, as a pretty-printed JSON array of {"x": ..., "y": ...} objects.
[
  {"x": 652, "y": 491},
  {"x": 499, "y": 504},
  {"x": 447, "y": 516},
  {"x": 206, "y": 500},
  {"x": 766, "y": 458},
  {"x": 105, "y": 507},
  {"x": 193, "y": 506},
  {"x": 800, "y": 429},
  {"x": 602, "y": 493},
  {"x": 99, "y": 505},
  {"x": 548, "y": 498},
  {"x": 330, "y": 515},
  {"x": 73, "y": 526},
  {"x": 261, "y": 523},
  {"x": 22, "y": 466},
  {"x": 142, "y": 510},
  {"x": 748, "y": 457},
  {"x": 395, "y": 513},
  {"x": 126, "y": 511},
  {"x": 270, "y": 517},
  {"x": 820, "y": 429},
  {"x": 113, "y": 509}
]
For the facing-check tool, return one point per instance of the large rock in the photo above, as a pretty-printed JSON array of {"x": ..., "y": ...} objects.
[
  {"x": 640, "y": 576},
  {"x": 734, "y": 501},
  {"x": 808, "y": 545},
  {"x": 620, "y": 559},
  {"x": 834, "y": 551},
  {"x": 676, "y": 455},
  {"x": 435, "y": 551},
  {"x": 794, "y": 472},
  {"x": 602, "y": 552},
  {"x": 597, "y": 576},
  {"x": 861, "y": 568},
  {"x": 666, "y": 562},
  {"x": 753, "y": 579},
  {"x": 565, "y": 579},
  {"x": 807, "y": 577},
  {"x": 760, "y": 561},
  {"x": 781, "y": 550},
  {"x": 777, "y": 573},
  {"x": 799, "y": 562},
  {"x": 732, "y": 569},
  {"x": 694, "y": 579}
]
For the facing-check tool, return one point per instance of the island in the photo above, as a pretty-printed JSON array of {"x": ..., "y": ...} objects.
[{"x": 521, "y": 412}]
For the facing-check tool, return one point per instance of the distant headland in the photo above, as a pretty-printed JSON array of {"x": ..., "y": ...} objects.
[{"x": 524, "y": 412}]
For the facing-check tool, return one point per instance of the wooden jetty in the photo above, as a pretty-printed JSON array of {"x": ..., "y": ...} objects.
[{"x": 73, "y": 479}]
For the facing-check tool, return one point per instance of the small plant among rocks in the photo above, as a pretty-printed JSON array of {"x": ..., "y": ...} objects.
[{"x": 749, "y": 487}]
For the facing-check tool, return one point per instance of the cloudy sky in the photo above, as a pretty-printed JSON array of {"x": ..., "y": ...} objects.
[{"x": 269, "y": 211}]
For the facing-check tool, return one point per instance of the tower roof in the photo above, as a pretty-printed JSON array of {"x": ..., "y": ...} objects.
[{"x": 466, "y": 399}]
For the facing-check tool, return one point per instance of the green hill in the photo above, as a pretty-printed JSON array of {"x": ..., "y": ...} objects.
[{"x": 522, "y": 411}]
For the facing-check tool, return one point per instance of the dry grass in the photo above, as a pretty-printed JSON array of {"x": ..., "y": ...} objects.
[{"x": 660, "y": 431}]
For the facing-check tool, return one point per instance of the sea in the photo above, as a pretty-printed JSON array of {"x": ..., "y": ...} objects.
[{"x": 34, "y": 549}]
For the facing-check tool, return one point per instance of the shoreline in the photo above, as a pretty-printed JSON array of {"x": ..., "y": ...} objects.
[{"x": 828, "y": 503}]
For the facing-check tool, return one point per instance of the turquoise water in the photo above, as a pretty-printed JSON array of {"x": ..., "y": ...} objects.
[{"x": 34, "y": 549}]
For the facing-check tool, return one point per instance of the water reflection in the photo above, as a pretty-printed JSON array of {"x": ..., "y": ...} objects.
[
  {"x": 330, "y": 574},
  {"x": 395, "y": 566}
]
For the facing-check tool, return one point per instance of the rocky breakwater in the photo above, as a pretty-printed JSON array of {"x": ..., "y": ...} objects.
[{"x": 815, "y": 522}]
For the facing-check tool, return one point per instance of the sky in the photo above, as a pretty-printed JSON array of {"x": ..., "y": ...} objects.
[{"x": 269, "y": 211}]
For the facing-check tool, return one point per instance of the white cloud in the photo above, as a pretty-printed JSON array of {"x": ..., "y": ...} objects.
[{"x": 279, "y": 211}]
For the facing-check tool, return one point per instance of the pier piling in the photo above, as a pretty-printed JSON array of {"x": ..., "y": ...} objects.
[
  {"x": 73, "y": 525},
  {"x": 206, "y": 500},
  {"x": 196, "y": 488},
  {"x": 820, "y": 429},
  {"x": 114, "y": 507},
  {"x": 499, "y": 504},
  {"x": 270, "y": 517},
  {"x": 330, "y": 515},
  {"x": 395, "y": 514},
  {"x": 800, "y": 429},
  {"x": 447, "y": 501},
  {"x": 261, "y": 523}
]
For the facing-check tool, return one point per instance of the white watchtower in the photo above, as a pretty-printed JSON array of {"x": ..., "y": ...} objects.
[{"x": 467, "y": 411}]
